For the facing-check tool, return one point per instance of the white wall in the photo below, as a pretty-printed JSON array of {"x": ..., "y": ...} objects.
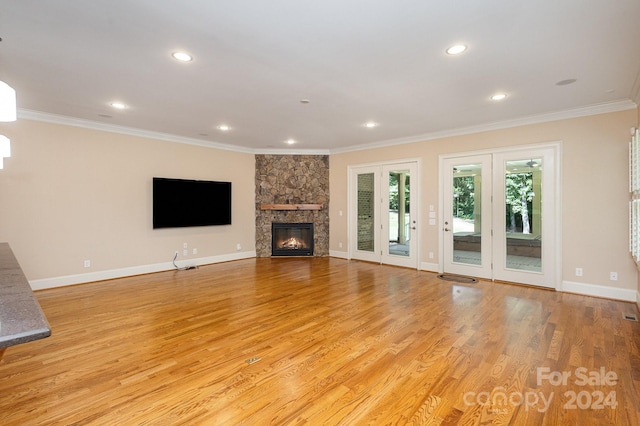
[{"x": 71, "y": 194}]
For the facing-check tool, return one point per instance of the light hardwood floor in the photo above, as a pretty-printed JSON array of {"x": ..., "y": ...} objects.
[{"x": 338, "y": 342}]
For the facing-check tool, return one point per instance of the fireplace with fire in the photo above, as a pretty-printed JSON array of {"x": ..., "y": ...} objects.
[{"x": 292, "y": 239}]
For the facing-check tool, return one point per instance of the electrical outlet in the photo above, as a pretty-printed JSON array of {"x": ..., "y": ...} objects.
[
  {"x": 87, "y": 264},
  {"x": 238, "y": 247},
  {"x": 430, "y": 255},
  {"x": 613, "y": 276},
  {"x": 184, "y": 246},
  {"x": 195, "y": 251},
  {"x": 185, "y": 252},
  {"x": 578, "y": 272},
  {"x": 340, "y": 244}
]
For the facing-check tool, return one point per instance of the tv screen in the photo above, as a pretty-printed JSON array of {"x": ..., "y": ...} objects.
[{"x": 181, "y": 203}]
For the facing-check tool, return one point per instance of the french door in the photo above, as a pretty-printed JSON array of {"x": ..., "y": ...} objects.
[
  {"x": 384, "y": 214},
  {"x": 467, "y": 216},
  {"x": 500, "y": 217}
]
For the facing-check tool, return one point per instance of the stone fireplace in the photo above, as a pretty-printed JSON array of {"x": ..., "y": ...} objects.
[{"x": 292, "y": 189}]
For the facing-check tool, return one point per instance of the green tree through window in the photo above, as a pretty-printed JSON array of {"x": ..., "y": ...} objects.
[
  {"x": 463, "y": 194},
  {"x": 519, "y": 194}
]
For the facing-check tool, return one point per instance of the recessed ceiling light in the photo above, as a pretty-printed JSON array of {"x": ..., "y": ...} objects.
[
  {"x": 118, "y": 105},
  {"x": 370, "y": 124},
  {"x": 224, "y": 127},
  {"x": 182, "y": 56},
  {"x": 498, "y": 96},
  {"x": 305, "y": 101},
  {"x": 566, "y": 82},
  {"x": 456, "y": 49},
  {"x": 291, "y": 141}
]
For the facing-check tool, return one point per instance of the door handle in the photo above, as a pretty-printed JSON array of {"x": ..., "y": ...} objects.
[{"x": 446, "y": 229}]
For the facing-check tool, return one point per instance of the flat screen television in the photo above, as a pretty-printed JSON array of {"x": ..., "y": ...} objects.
[{"x": 181, "y": 203}]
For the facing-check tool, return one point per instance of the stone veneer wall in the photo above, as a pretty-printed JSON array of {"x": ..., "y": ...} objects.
[{"x": 292, "y": 179}]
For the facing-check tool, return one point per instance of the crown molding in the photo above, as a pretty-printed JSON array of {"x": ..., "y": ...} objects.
[
  {"x": 607, "y": 107},
  {"x": 292, "y": 152},
  {"x": 635, "y": 89},
  {"x": 596, "y": 109},
  {"x": 131, "y": 131}
]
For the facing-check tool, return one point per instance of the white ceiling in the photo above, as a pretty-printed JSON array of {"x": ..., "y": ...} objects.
[{"x": 355, "y": 60}]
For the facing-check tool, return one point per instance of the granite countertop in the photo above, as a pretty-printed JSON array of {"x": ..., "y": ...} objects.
[{"x": 21, "y": 318}]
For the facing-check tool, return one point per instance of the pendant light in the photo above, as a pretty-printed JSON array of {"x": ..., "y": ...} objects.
[
  {"x": 7, "y": 113},
  {"x": 7, "y": 102}
]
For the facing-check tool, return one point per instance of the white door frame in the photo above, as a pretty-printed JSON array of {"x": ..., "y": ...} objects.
[
  {"x": 414, "y": 260},
  {"x": 555, "y": 228}
]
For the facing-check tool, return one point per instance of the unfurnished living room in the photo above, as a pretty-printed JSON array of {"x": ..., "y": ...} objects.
[{"x": 324, "y": 213}]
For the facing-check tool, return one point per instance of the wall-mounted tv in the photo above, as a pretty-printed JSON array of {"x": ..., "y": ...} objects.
[{"x": 180, "y": 203}]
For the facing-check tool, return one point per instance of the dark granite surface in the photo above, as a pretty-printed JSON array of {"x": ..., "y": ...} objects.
[{"x": 21, "y": 319}]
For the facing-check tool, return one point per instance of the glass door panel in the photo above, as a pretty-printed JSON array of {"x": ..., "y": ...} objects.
[
  {"x": 399, "y": 212},
  {"x": 366, "y": 214},
  {"x": 467, "y": 213},
  {"x": 523, "y": 214}
]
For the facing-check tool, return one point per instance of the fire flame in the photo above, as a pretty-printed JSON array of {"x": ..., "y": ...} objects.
[{"x": 292, "y": 243}]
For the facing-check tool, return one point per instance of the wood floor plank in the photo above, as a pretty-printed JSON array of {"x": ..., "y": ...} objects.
[{"x": 335, "y": 342}]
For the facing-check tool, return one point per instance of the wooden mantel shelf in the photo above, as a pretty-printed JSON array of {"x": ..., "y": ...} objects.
[{"x": 290, "y": 206}]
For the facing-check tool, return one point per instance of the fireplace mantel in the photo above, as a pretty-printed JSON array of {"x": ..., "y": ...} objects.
[{"x": 290, "y": 206}]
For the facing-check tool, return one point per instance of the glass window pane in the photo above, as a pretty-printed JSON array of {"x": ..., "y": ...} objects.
[
  {"x": 467, "y": 214},
  {"x": 523, "y": 214},
  {"x": 366, "y": 212},
  {"x": 399, "y": 212}
]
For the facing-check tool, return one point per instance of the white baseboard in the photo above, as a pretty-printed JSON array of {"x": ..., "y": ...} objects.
[
  {"x": 340, "y": 254},
  {"x": 431, "y": 267},
  {"x": 600, "y": 291},
  {"x": 134, "y": 270}
]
